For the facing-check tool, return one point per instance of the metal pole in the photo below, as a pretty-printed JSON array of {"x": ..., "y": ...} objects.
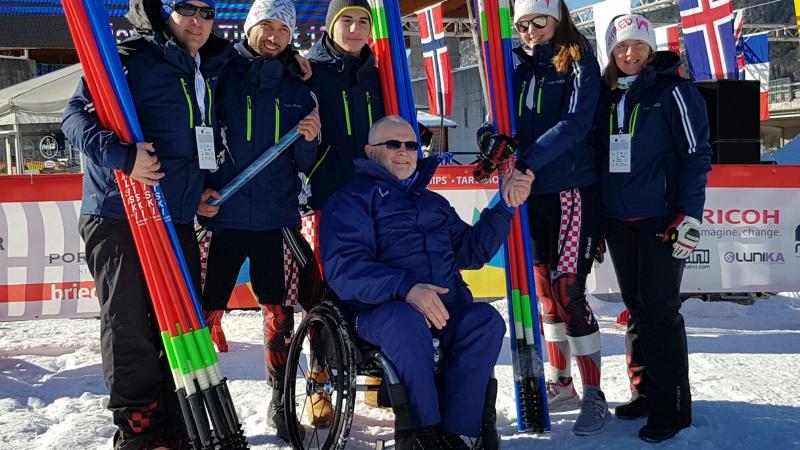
[
  {"x": 17, "y": 148},
  {"x": 477, "y": 43}
]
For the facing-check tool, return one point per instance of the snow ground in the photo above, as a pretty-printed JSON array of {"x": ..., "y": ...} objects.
[{"x": 745, "y": 362}]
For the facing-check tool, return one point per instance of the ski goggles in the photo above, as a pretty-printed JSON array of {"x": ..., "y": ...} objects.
[
  {"x": 187, "y": 10},
  {"x": 538, "y": 22},
  {"x": 395, "y": 145}
]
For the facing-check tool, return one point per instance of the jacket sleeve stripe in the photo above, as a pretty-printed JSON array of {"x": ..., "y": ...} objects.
[
  {"x": 687, "y": 124},
  {"x": 576, "y": 86}
]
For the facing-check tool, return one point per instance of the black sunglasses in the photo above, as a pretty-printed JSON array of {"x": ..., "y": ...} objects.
[
  {"x": 188, "y": 10},
  {"x": 537, "y": 22},
  {"x": 394, "y": 144}
]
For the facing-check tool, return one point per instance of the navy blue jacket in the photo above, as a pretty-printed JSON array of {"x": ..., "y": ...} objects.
[
  {"x": 350, "y": 101},
  {"x": 554, "y": 117},
  {"x": 670, "y": 154},
  {"x": 258, "y": 101},
  {"x": 161, "y": 77},
  {"x": 379, "y": 238}
]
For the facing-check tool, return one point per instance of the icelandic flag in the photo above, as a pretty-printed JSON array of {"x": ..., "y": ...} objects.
[
  {"x": 437, "y": 60},
  {"x": 708, "y": 37},
  {"x": 755, "y": 51}
]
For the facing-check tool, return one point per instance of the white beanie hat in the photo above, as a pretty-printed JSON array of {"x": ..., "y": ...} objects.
[
  {"x": 629, "y": 26},
  {"x": 523, "y": 8},
  {"x": 281, "y": 10}
]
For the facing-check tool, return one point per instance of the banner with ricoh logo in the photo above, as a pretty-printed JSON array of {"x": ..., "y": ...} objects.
[
  {"x": 750, "y": 234},
  {"x": 750, "y": 239}
]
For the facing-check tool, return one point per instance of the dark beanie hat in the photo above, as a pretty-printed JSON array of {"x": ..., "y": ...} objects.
[{"x": 337, "y": 7}]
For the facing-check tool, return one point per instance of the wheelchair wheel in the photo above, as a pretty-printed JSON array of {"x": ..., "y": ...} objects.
[{"x": 325, "y": 370}]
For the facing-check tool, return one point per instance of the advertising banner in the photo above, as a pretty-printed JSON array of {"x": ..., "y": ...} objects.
[{"x": 750, "y": 240}]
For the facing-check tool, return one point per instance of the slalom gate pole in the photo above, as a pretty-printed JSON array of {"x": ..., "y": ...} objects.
[
  {"x": 531, "y": 403},
  {"x": 390, "y": 51},
  {"x": 190, "y": 353}
]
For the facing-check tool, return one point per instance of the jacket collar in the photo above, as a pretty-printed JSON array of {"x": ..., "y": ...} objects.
[
  {"x": 324, "y": 52},
  {"x": 541, "y": 55},
  {"x": 213, "y": 55},
  {"x": 426, "y": 167},
  {"x": 664, "y": 65}
]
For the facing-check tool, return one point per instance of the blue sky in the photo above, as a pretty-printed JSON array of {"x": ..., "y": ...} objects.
[{"x": 575, "y": 4}]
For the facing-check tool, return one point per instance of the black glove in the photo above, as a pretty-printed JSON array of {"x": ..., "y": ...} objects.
[{"x": 495, "y": 149}]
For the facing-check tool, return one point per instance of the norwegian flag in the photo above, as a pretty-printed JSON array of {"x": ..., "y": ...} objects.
[
  {"x": 708, "y": 37},
  {"x": 437, "y": 60}
]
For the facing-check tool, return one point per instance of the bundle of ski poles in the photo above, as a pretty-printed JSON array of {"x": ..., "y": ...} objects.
[
  {"x": 390, "y": 51},
  {"x": 526, "y": 349},
  {"x": 205, "y": 400}
]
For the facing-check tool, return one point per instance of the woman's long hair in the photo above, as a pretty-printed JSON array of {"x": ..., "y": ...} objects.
[{"x": 568, "y": 43}]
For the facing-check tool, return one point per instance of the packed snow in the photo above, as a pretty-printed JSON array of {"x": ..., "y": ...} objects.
[{"x": 744, "y": 362}]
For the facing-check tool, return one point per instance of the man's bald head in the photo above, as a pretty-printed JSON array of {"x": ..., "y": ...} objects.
[{"x": 401, "y": 162}]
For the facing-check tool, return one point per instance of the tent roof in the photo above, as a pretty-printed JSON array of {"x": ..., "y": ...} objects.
[{"x": 41, "y": 99}]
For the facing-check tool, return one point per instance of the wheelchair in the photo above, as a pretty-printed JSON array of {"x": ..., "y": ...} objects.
[{"x": 326, "y": 356}]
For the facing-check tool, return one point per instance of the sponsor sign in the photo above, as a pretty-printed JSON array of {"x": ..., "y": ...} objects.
[{"x": 750, "y": 239}]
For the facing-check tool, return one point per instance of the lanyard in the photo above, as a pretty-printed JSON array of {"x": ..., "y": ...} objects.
[
  {"x": 200, "y": 88},
  {"x": 621, "y": 117}
]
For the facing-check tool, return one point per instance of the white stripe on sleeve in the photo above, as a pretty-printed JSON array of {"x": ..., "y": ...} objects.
[{"x": 687, "y": 124}]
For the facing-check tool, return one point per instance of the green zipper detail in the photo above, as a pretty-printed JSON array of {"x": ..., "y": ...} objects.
[
  {"x": 317, "y": 164},
  {"x": 210, "y": 101},
  {"x": 539, "y": 97},
  {"x": 632, "y": 120},
  {"x": 369, "y": 108},
  {"x": 249, "y": 118},
  {"x": 611, "y": 120},
  {"x": 277, "y": 119},
  {"x": 347, "y": 113},
  {"x": 521, "y": 98},
  {"x": 188, "y": 102}
]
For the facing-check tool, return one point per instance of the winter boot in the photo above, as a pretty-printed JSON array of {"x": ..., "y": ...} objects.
[
  {"x": 318, "y": 405},
  {"x": 636, "y": 408},
  {"x": 452, "y": 441},
  {"x": 427, "y": 438},
  {"x": 655, "y": 435},
  {"x": 594, "y": 414},
  {"x": 561, "y": 396},
  {"x": 276, "y": 417},
  {"x": 214, "y": 322}
]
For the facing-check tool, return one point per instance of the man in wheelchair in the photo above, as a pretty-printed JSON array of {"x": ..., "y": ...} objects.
[{"x": 392, "y": 251}]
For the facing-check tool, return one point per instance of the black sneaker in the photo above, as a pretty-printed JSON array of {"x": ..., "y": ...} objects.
[
  {"x": 656, "y": 435},
  {"x": 452, "y": 441},
  {"x": 635, "y": 409},
  {"x": 427, "y": 438},
  {"x": 277, "y": 418}
]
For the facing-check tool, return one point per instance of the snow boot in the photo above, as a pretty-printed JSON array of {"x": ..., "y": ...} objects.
[
  {"x": 560, "y": 396},
  {"x": 655, "y": 435},
  {"x": 636, "y": 408},
  {"x": 318, "y": 405},
  {"x": 452, "y": 441},
  {"x": 594, "y": 414},
  {"x": 427, "y": 438},
  {"x": 276, "y": 417}
]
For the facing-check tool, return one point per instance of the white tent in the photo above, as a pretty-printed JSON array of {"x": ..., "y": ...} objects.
[{"x": 41, "y": 99}]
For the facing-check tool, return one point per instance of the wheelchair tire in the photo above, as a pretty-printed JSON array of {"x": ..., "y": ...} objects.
[{"x": 325, "y": 330}]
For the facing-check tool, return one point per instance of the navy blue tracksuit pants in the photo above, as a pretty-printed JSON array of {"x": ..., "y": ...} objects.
[{"x": 470, "y": 343}]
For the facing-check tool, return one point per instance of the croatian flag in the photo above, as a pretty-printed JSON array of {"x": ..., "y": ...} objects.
[
  {"x": 437, "y": 60},
  {"x": 667, "y": 39},
  {"x": 755, "y": 50},
  {"x": 738, "y": 26},
  {"x": 708, "y": 37}
]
